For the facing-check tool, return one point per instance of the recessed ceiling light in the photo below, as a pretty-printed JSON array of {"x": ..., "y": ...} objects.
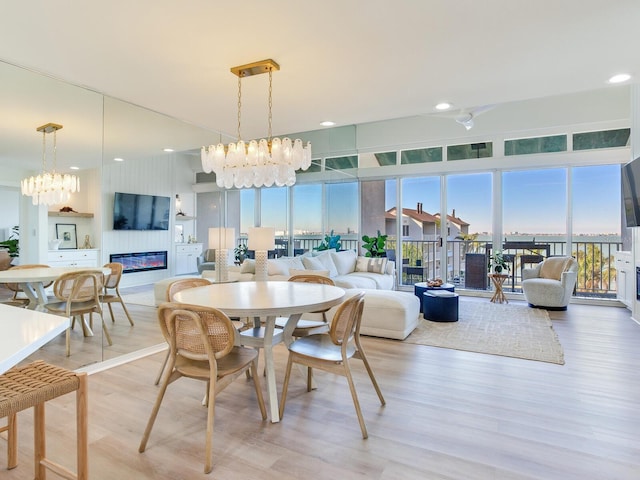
[
  {"x": 443, "y": 106},
  {"x": 118, "y": 159},
  {"x": 327, "y": 123},
  {"x": 74, "y": 168},
  {"x": 168, "y": 150},
  {"x": 621, "y": 77}
]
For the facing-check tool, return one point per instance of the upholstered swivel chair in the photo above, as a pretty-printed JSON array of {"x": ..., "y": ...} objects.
[
  {"x": 206, "y": 260},
  {"x": 550, "y": 283}
]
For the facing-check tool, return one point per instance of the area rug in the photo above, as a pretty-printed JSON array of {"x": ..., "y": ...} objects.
[
  {"x": 141, "y": 298},
  {"x": 509, "y": 330}
]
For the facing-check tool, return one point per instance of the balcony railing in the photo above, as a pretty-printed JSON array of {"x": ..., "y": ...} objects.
[{"x": 422, "y": 260}]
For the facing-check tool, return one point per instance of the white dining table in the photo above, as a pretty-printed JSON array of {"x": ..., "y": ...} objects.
[
  {"x": 33, "y": 280},
  {"x": 24, "y": 331},
  {"x": 266, "y": 300}
]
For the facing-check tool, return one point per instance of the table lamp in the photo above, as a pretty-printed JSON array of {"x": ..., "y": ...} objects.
[
  {"x": 261, "y": 240},
  {"x": 221, "y": 240}
]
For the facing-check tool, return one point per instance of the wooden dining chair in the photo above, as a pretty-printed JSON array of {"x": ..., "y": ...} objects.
[
  {"x": 201, "y": 346},
  {"x": 332, "y": 352},
  {"x": 178, "y": 286},
  {"x": 17, "y": 299},
  {"x": 78, "y": 293},
  {"x": 112, "y": 283}
]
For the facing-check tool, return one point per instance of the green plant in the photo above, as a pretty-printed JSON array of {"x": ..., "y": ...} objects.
[
  {"x": 13, "y": 243},
  {"x": 240, "y": 252},
  {"x": 375, "y": 246},
  {"x": 330, "y": 241},
  {"x": 498, "y": 262}
]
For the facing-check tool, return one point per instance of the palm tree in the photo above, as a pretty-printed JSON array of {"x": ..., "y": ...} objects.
[{"x": 594, "y": 271}]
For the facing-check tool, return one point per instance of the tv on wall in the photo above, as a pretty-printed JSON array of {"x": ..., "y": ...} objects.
[{"x": 133, "y": 211}]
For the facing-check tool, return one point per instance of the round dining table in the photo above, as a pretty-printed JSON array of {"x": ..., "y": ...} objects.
[{"x": 266, "y": 300}]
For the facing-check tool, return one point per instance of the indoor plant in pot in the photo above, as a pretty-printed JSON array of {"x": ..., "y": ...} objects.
[
  {"x": 375, "y": 246},
  {"x": 498, "y": 263}
]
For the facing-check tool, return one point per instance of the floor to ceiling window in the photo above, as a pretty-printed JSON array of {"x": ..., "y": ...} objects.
[
  {"x": 306, "y": 214},
  {"x": 343, "y": 212}
]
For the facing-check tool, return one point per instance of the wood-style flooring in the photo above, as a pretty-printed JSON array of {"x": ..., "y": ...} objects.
[{"x": 449, "y": 415}]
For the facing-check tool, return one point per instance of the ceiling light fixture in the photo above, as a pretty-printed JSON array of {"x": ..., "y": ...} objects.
[
  {"x": 260, "y": 163},
  {"x": 50, "y": 188},
  {"x": 443, "y": 106},
  {"x": 327, "y": 123},
  {"x": 621, "y": 77}
]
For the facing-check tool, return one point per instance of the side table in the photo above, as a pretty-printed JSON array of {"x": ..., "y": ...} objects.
[
  {"x": 498, "y": 280},
  {"x": 420, "y": 288}
]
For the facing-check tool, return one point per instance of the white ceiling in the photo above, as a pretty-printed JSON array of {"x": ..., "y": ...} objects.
[{"x": 349, "y": 61}]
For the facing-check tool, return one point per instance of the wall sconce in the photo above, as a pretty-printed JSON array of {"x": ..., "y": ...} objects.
[
  {"x": 261, "y": 240},
  {"x": 221, "y": 240}
]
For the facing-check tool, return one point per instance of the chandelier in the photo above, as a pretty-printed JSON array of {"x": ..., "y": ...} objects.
[
  {"x": 50, "y": 188},
  {"x": 258, "y": 163}
]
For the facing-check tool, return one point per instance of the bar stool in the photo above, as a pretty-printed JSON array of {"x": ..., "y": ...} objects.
[{"x": 31, "y": 386}]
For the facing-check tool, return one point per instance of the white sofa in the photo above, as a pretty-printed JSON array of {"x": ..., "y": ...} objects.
[{"x": 345, "y": 268}]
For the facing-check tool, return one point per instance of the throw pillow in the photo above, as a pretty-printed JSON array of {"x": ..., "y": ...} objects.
[
  {"x": 327, "y": 264},
  {"x": 344, "y": 261},
  {"x": 248, "y": 266},
  {"x": 553, "y": 267},
  {"x": 281, "y": 266},
  {"x": 371, "y": 265},
  {"x": 312, "y": 263}
]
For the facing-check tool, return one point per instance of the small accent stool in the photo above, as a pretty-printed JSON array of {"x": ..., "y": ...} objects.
[
  {"x": 33, "y": 385},
  {"x": 440, "y": 306}
]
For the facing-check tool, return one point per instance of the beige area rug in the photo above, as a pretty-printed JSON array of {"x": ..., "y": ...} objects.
[
  {"x": 142, "y": 298},
  {"x": 509, "y": 330}
]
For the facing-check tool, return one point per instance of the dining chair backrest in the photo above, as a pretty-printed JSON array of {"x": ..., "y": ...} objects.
[
  {"x": 346, "y": 322},
  {"x": 196, "y": 332},
  {"x": 79, "y": 286},
  {"x": 14, "y": 287},
  {"x": 312, "y": 279},
  {"x": 183, "y": 284},
  {"x": 113, "y": 279}
]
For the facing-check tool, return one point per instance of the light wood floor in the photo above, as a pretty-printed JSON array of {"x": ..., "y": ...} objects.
[{"x": 449, "y": 415}]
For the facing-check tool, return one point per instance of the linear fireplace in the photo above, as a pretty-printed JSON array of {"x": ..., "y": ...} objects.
[{"x": 140, "y": 262}]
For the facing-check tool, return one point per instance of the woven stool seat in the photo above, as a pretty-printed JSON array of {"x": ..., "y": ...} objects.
[
  {"x": 38, "y": 382},
  {"x": 33, "y": 385}
]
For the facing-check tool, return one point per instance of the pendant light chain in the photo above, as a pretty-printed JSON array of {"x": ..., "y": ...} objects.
[
  {"x": 270, "y": 102},
  {"x": 239, "y": 103},
  {"x": 55, "y": 153},
  {"x": 44, "y": 151}
]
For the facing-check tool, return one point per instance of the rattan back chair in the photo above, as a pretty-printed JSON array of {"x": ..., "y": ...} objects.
[
  {"x": 332, "y": 352},
  {"x": 202, "y": 346},
  {"x": 77, "y": 294},
  {"x": 111, "y": 284}
]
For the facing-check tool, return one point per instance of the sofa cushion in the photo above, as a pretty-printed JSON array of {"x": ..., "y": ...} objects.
[
  {"x": 248, "y": 266},
  {"x": 281, "y": 266},
  {"x": 381, "y": 282},
  {"x": 293, "y": 272},
  {"x": 373, "y": 265},
  {"x": 354, "y": 281},
  {"x": 321, "y": 262},
  {"x": 344, "y": 261}
]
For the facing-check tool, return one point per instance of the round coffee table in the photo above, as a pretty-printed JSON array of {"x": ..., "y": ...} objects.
[{"x": 421, "y": 287}]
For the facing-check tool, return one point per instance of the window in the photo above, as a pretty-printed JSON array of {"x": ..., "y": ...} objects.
[
  {"x": 603, "y": 139},
  {"x": 405, "y": 230},
  {"x": 422, "y": 155},
  {"x": 471, "y": 150},
  {"x": 525, "y": 146}
]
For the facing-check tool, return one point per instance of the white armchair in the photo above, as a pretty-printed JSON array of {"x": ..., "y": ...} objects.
[{"x": 550, "y": 284}]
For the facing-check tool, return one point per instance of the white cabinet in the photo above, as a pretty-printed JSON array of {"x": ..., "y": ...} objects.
[
  {"x": 73, "y": 258},
  {"x": 187, "y": 257},
  {"x": 626, "y": 276}
]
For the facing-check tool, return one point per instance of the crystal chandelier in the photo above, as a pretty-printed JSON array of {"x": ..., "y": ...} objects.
[
  {"x": 258, "y": 163},
  {"x": 50, "y": 188}
]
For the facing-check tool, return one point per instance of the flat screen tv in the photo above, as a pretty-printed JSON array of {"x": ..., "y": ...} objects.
[{"x": 132, "y": 211}]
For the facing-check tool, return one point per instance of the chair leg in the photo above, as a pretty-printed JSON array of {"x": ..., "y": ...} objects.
[
  {"x": 285, "y": 385},
  {"x": 356, "y": 403},
  {"x": 164, "y": 365},
  {"x": 211, "y": 409},
  {"x": 12, "y": 441},
  {"x": 82, "y": 439},
  {"x": 360, "y": 354},
  {"x": 68, "y": 341},
  {"x": 124, "y": 307},
  {"x": 256, "y": 383},
  {"x": 154, "y": 412},
  {"x": 39, "y": 441},
  {"x": 106, "y": 332},
  {"x": 113, "y": 319}
]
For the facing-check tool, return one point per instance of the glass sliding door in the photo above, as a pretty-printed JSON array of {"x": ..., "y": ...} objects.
[
  {"x": 596, "y": 227},
  {"x": 306, "y": 217},
  {"x": 274, "y": 212},
  {"x": 469, "y": 228},
  {"x": 342, "y": 212},
  {"x": 534, "y": 218},
  {"x": 420, "y": 218}
]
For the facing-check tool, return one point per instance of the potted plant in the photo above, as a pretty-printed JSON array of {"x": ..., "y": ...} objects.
[
  {"x": 13, "y": 243},
  {"x": 240, "y": 252},
  {"x": 498, "y": 263},
  {"x": 330, "y": 241},
  {"x": 375, "y": 246}
]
